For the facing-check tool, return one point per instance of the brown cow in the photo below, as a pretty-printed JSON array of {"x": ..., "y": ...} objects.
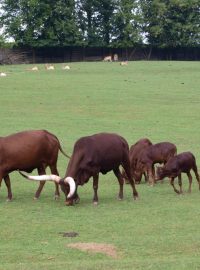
[
  {"x": 29, "y": 150},
  {"x": 182, "y": 163},
  {"x": 134, "y": 153},
  {"x": 156, "y": 153},
  {"x": 99, "y": 153}
]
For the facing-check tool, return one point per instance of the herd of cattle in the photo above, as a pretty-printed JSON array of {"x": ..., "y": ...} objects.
[{"x": 99, "y": 153}]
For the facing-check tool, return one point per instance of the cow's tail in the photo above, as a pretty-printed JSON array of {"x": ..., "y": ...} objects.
[
  {"x": 63, "y": 152},
  {"x": 59, "y": 145}
]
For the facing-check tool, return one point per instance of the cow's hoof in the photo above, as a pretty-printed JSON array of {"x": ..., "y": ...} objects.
[
  {"x": 9, "y": 199},
  {"x": 57, "y": 197},
  {"x": 35, "y": 198},
  {"x": 69, "y": 203}
]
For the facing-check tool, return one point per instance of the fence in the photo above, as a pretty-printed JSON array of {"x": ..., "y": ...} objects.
[{"x": 77, "y": 54}]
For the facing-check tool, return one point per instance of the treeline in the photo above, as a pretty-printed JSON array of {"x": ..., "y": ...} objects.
[{"x": 96, "y": 23}]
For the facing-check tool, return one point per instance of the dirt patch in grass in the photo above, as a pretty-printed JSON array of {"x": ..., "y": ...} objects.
[{"x": 107, "y": 249}]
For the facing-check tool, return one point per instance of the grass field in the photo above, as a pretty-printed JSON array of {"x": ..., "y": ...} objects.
[{"x": 158, "y": 100}]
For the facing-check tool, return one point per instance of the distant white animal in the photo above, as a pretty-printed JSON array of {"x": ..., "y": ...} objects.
[
  {"x": 115, "y": 57},
  {"x": 35, "y": 68},
  {"x": 108, "y": 58},
  {"x": 66, "y": 67},
  {"x": 49, "y": 67},
  {"x": 3, "y": 74},
  {"x": 124, "y": 63}
]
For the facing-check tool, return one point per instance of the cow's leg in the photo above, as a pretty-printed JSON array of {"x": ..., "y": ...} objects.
[
  {"x": 145, "y": 176},
  {"x": 190, "y": 181},
  {"x": 180, "y": 183},
  {"x": 1, "y": 180},
  {"x": 41, "y": 171},
  {"x": 76, "y": 198},
  {"x": 8, "y": 184},
  {"x": 126, "y": 167},
  {"x": 196, "y": 174},
  {"x": 121, "y": 182},
  {"x": 95, "y": 188},
  {"x": 150, "y": 175},
  {"x": 54, "y": 170},
  {"x": 172, "y": 183}
]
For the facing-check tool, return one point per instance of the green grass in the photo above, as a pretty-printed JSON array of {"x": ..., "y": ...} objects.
[{"x": 158, "y": 100}]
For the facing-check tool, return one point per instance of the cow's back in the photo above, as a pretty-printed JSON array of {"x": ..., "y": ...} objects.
[
  {"x": 104, "y": 150},
  {"x": 28, "y": 149},
  {"x": 161, "y": 151},
  {"x": 136, "y": 148}
]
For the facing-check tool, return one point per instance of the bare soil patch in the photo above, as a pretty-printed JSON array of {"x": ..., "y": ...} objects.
[{"x": 107, "y": 249}]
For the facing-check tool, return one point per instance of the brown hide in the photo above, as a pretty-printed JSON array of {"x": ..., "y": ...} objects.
[
  {"x": 181, "y": 163},
  {"x": 134, "y": 153},
  {"x": 99, "y": 153},
  {"x": 26, "y": 151},
  {"x": 156, "y": 153}
]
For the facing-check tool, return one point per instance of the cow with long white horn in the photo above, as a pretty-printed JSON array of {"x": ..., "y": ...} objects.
[
  {"x": 26, "y": 151},
  {"x": 99, "y": 153}
]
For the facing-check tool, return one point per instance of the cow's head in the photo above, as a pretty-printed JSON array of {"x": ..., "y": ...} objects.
[
  {"x": 67, "y": 184},
  {"x": 137, "y": 175},
  {"x": 161, "y": 173}
]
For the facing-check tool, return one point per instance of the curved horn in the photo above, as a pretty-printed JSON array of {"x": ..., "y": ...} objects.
[
  {"x": 70, "y": 181},
  {"x": 44, "y": 177}
]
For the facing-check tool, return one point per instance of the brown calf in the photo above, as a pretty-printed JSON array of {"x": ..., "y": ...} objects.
[
  {"x": 182, "y": 163},
  {"x": 156, "y": 153}
]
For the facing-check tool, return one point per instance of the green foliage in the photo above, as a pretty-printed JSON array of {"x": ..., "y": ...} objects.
[
  {"x": 158, "y": 100},
  {"x": 126, "y": 24},
  {"x": 172, "y": 23},
  {"x": 41, "y": 23},
  {"x": 119, "y": 23}
]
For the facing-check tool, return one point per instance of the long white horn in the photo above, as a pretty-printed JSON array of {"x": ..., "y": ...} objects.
[
  {"x": 70, "y": 181},
  {"x": 51, "y": 177}
]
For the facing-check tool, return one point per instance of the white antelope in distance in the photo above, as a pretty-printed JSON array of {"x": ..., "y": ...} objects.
[
  {"x": 107, "y": 58},
  {"x": 35, "y": 68},
  {"x": 66, "y": 67},
  {"x": 49, "y": 67},
  {"x": 3, "y": 74},
  {"x": 124, "y": 63}
]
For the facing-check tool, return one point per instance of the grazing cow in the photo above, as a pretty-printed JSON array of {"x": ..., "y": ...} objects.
[
  {"x": 99, "y": 153},
  {"x": 108, "y": 58},
  {"x": 134, "y": 153},
  {"x": 29, "y": 150},
  {"x": 182, "y": 163},
  {"x": 156, "y": 153}
]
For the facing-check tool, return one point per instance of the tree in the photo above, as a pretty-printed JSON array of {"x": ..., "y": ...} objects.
[
  {"x": 95, "y": 18},
  {"x": 41, "y": 23},
  {"x": 126, "y": 24},
  {"x": 171, "y": 23},
  {"x": 87, "y": 21}
]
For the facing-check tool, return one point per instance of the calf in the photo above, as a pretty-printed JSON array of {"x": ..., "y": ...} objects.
[
  {"x": 134, "y": 153},
  {"x": 182, "y": 163},
  {"x": 156, "y": 153},
  {"x": 29, "y": 150},
  {"x": 99, "y": 153}
]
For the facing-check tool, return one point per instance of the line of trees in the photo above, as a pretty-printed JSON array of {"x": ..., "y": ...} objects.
[{"x": 116, "y": 23}]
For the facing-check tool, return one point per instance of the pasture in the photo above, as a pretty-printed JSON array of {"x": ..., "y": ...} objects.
[{"x": 158, "y": 100}]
